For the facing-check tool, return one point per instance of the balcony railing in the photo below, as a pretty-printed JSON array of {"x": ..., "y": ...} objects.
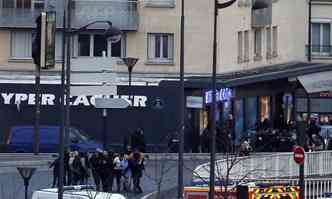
[
  {"x": 159, "y": 3},
  {"x": 320, "y": 51},
  {"x": 122, "y": 14}
]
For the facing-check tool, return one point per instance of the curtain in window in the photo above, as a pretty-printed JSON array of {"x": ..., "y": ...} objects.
[
  {"x": 326, "y": 37},
  {"x": 170, "y": 47},
  {"x": 239, "y": 46},
  {"x": 151, "y": 46},
  {"x": 21, "y": 44},
  {"x": 315, "y": 37},
  {"x": 246, "y": 45}
]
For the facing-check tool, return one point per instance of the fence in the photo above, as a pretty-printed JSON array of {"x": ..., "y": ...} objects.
[{"x": 279, "y": 165}]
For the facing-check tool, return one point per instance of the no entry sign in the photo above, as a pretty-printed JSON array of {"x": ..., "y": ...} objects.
[{"x": 299, "y": 155}]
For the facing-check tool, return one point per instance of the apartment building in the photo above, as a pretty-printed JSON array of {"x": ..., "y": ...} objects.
[{"x": 254, "y": 37}]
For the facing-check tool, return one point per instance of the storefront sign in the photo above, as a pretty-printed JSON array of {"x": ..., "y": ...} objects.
[
  {"x": 317, "y": 82},
  {"x": 223, "y": 94},
  {"x": 48, "y": 99},
  {"x": 194, "y": 102}
]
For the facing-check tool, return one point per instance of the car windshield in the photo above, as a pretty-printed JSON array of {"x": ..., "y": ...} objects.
[{"x": 76, "y": 134}]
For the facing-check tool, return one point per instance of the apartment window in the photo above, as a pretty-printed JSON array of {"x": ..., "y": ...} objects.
[
  {"x": 268, "y": 43},
  {"x": 240, "y": 46},
  {"x": 95, "y": 45},
  {"x": 321, "y": 39},
  {"x": 246, "y": 46},
  {"x": 258, "y": 44},
  {"x": 275, "y": 41},
  {"x": 22, "y": 3},
  {"x": 21, "y": 44},
  {"x": 160, "y": 47}
]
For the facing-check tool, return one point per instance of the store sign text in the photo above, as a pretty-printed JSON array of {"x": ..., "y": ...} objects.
[
  {"x": 223, "y": 94},
  {"x": 48, "y": 99}
]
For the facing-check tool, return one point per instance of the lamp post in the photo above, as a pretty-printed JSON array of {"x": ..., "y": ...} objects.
[
  {"x": 182, "y": 108},
  {"x": 113, "y": 34},
  {"x": 130, "y": 63},
  {"x": 26, "y": 173},
  {"x": 217, "y": 6}
]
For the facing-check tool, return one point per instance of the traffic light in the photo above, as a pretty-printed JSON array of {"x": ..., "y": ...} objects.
[{"x": 43, "y": 46}]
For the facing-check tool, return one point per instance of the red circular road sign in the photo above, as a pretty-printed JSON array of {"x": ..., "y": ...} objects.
[{"x": 298, "y": 155}]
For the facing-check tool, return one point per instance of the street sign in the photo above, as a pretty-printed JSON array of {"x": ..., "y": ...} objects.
[
  {"x": 111, "y": 103},
  {"x": 90, "y": 90},
  {"x": 299, "y": 155}
]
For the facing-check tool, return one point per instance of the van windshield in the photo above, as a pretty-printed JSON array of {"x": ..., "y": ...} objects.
[{"x": 79, "y": 135}]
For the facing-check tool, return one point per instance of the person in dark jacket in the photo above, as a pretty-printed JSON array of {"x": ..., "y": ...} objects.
[
  {"x": 138, "y": 140},
  {"x": 55, "y": 165},
  {"x": 94, "y": 165},
  {"x": 136, "y": 164}
]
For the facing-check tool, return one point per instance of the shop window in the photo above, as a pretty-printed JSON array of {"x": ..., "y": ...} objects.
[
  {"x": 239, "y": 119},
  {"x": 251, "y": 112},
  {"x": 265, "y": 108}
]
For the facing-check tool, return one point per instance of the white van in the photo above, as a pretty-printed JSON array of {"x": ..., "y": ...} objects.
[{"x": 75, "y": 192}]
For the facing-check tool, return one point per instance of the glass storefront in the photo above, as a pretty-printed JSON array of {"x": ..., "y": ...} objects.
[
  {"x": 239, "y": 119},
  {"x": 251, "y": 112},
  {"x": 265, "y": 107}
]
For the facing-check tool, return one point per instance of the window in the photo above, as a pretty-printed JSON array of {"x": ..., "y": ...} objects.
[
  {"x": 21, "y": 44},
  {"x": 95, "y": 45},
  {"x": 240, "y": 46},
  {"x": 321, "y": 40},
  {"x": 160, "y": 47},
  {"x": 268, "y": 43},
  {"x": 246, "y": 46},
  {"x": 38, "y": 4},
  {"x": 275, "y": 41},
  {"x": 258, "y": 44}
]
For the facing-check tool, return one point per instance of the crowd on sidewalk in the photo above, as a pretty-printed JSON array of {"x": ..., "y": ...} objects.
[{"x": 105, "y": 167}]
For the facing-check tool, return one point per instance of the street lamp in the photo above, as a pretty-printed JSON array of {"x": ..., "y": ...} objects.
[
  {"x": 130, "y": 63},
  {"x": 217, "y": 6},
  {"x": 26, "y": 173}
]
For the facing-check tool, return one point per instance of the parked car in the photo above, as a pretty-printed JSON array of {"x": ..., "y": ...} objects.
[
  {"x": 21, "y": 140},
  {"x": 327, "y": 195},
  {"x": 77, "y": 192}
]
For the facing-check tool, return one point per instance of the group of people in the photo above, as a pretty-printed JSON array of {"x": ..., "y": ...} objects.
[{"x": 104, "y": 167}]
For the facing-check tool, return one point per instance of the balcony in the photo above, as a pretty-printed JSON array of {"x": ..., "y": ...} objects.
[
  {"x": 159, "y": 3},
  {"x": 261, "y": 13},
  {"x": 320, "y": 51},
  {"x": 122, "y": 14}
]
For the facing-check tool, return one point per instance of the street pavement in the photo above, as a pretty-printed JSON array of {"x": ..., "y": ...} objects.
[{"x": 158, "y": 172}]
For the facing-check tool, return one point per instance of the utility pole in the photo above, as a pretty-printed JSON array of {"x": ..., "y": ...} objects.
[{"x": 182, "y": 108}]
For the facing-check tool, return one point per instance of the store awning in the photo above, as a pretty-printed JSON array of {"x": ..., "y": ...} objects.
[
  {"x": 261, "y": 74},
  {"x": 317, "y": 82}
]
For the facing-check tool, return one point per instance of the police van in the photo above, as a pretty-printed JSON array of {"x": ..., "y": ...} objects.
[{"x": 75, "y": 192}]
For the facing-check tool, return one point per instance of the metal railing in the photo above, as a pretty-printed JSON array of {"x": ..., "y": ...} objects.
[
  {"x": 123, "y": 14},
  {"x": 320, "y": 50},
  {"x": 279, "y": 165}
]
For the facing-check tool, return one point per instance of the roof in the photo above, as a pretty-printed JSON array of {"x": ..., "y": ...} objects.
[{"x": 261, "y": 74}]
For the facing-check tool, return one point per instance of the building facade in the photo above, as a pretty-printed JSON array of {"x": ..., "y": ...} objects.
[{"x": 251, "y": 35}]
